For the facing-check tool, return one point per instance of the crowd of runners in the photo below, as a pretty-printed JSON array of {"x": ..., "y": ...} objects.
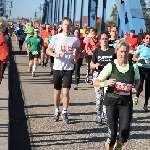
[{"x": 116, "y": 67}]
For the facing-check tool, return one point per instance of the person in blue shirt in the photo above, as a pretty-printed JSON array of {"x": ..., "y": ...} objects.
[
  {"x": 142, "y": 57},
  {"x": 20, "y": 37}
]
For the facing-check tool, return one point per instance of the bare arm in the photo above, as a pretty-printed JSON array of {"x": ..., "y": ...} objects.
[
  {"x": 49, "y": 51},
  {"x": 136, "y": 83},
  {"x": 77, "y": 52}
]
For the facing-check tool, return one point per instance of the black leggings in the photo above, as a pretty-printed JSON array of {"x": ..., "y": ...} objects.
[
  {"x": 144, "y": 75},
  {"x": 20, "y": 44},
  {"x": 88, "y": 60},
  {"x": 124, "y": 114},
  {"x": 77, "y": 70}
]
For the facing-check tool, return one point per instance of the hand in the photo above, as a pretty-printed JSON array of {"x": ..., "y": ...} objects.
[
  {"x": 134, "y": 90},
  {"x": 142, "y": 61},
  {"x": 27, "y": 51},
  {"x": 97, "y": 65},
  {"x": 57, "y": 55},
  {"x": 110, "y": 82},
  {"x": 73, "y": 61}
]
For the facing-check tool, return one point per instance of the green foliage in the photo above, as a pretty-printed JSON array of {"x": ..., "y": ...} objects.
[
  {"x": 114, "y": 14},
  {"x": 146, "y": 11}
]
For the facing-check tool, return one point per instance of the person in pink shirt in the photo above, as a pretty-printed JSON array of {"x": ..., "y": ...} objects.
[{"x": 92, "y": 43}]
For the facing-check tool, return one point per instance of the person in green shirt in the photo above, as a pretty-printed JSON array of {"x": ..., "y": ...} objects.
[
  {"x": 121, "y": 77},
  {"x": 29, "y": 31},
  {"x": 34, "y": 45}
]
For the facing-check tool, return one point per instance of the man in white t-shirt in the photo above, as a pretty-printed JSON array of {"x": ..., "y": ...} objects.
[{"x": 63, "y": 45}]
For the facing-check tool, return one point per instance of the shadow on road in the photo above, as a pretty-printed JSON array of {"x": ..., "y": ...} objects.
[{"x": 18, "y": 123}]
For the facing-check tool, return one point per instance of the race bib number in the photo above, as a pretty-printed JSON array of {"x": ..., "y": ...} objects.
[
  {"x": 147, "y": 61},
  {"x": 35, "y": 53},
  {"x": 122, "y": 88},
  {"x": 95, "y": 75}
]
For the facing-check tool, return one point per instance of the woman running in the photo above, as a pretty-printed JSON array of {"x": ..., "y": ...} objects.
[
  {"x": 92, "y": 43},
  {"x": 142, "y": 57},
  {"x": 122, "y": 79},
  {"x": 101, "y": 57}
]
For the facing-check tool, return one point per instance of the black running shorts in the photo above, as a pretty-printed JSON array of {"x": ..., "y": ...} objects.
[{"x": 62, "y": 78}]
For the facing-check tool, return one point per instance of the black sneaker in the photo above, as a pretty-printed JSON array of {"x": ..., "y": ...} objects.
[
  {"x": 51, "y": 73},
  {"x": 75, "y": 88},
  {"x": 145, "y": 108}
]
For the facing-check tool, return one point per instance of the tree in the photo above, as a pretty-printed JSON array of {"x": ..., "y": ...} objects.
[
  {"x": 114, "y": 14},
  {"x": 146, "y": 11}
]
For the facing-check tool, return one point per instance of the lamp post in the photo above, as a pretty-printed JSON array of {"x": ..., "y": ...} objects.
[
  {"x": 10, "y": 6},
  {"x": 35, "y": 15}
]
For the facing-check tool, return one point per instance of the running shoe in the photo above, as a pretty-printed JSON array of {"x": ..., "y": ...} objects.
[
  {"x": 145, "y": 108},
  {"x": 65, "y": 118},
  {"x": 51, "y": 73},
  {"x": 135, "y": 100},
  {"x": 30, "y": 69},
  {"x": 75, "y": 87},
  {"x": 33, "y": 74},
  {"x": 56, "y": 116},
  {"x": 99, "y": 122},
  {"x": 117, "y": 148}
]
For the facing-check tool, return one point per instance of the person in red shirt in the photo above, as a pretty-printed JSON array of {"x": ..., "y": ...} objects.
[
  {"x": 92, "y": 43},
  {"x": 78, "y": 64},
  {"x": 134, "y": 42},
  {"x": 45, "y": 34}
]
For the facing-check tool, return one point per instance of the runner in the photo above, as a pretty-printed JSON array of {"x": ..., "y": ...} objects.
[
  {"x": 92, "y": 43},
  {"x": 63, "y": 45},
  {"x": 53, "y": 32},
  {"x": 34, "y": 44},
  {"x": 78, "y": 64},
  {"x": 45, "y": 34},
  {"x": 101, "y": 57},
  {"x": 122, "y": 79},
  {"x": 142, "y": 57},
  {"x": 20, "y": 37},
  {"x": 134, "y": 42},
  {"x": 28, "y": 30},
  {"x": 113, "y": 36}
]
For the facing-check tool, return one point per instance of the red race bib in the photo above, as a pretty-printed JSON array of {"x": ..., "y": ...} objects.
[{"x": 122, "y": 88}]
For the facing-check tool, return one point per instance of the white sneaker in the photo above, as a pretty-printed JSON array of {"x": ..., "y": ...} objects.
[{"x": 135, "y": 100}]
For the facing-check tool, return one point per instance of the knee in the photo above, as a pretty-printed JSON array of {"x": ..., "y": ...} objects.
[
  {"x": 124, "y": 135},
  {"x": 66, "y": 93}
]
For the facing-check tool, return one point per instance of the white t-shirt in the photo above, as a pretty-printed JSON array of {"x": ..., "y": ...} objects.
[{"x": 64, "y": 45}]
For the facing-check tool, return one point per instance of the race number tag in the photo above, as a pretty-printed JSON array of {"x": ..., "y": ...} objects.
[
  {"x": 122, "y": 88},
  {"x": 35, "y": 52},
  {"x": 147, "y": 61},
  {"x": 95, "y": 74}
]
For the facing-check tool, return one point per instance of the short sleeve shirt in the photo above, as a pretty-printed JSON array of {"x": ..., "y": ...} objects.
[{"x": 64, "y": 45}]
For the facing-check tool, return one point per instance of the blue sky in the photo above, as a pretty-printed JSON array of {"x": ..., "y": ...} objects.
[{"x": 26, "y": 8}]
